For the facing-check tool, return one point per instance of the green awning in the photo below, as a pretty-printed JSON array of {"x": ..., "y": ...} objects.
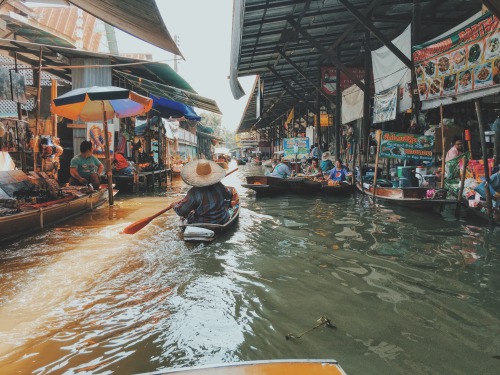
[{"x": 170, "y": 92}]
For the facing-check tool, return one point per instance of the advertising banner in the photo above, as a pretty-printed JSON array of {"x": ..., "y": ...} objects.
[
  {"x": 95, "y": 134},
  {"x": 406, "y": 146},
  {"x": 296, "y": 147},
  {"x": 390, "y": 71},
  {"x": 329, "y": 78},
  {"x": 464, "y": 61},
  {"x": 384, "y": 107}
]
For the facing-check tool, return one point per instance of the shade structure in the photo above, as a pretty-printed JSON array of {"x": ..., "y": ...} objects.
[
  {"x": 98, "y": 103},
  {"x": 86, "y": 104},
  {"x": 170, "y": 108}
]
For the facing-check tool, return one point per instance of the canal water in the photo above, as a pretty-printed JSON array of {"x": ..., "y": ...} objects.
[{"x": 408, "y": 292}]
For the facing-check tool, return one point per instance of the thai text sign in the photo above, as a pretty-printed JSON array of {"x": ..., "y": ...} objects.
[
  {"x": 295, "y": 147},
  {"x": 406, "y": 146},
  {"x": 467, "y": 60}
]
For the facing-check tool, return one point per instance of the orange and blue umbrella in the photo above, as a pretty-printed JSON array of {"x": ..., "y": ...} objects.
[{"x": 89, "y": 103}]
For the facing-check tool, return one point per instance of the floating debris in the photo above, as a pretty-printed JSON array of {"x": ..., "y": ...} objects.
[{"x": 323, "y": 321}]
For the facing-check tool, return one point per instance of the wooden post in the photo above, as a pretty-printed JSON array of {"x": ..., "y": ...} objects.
[
  {"x": 462, "y": 183},
  {"x": 338, "y": 109},
  {"x": 379, "y": 139},
  {"x": 485, "y": 160},
  {"x": 443, "y": 142},
  {"x": 53, "y": 94},
  {"x": 38, "y": 101},
  {"x": 107, "y": 155}
]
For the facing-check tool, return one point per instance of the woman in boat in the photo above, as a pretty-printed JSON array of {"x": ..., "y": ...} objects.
[
  {"x": 338, "y": 173},
  {"x": 326, "y": 164},
  {"x": 314, "y": 169},
  {"x": 208, "y": 200},
  {"x": 282, "y": 170}
]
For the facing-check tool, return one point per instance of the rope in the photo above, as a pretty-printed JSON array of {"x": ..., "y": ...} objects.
[{"x": 323, "y": 321}]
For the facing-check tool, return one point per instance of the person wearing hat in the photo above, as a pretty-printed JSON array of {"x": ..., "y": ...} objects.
[
  {"x": 282, "y": 170},
  {"x": 326, "y": 164},
  {"x": 208, "y": 200}
]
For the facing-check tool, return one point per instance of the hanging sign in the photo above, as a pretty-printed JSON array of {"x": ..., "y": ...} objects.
[
  {"x": 465, "y": 61},
  {"x": 293, "y": 147},
  {"x": 406, "y": 146},
  {"x": 329, "y": 78},
  {"x": 384, "y": 107}
]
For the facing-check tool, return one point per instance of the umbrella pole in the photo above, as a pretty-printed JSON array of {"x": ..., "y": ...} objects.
[{"x": 107, "y": 155}]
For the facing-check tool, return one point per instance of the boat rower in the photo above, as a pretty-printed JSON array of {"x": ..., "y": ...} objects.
[{"x": 208, "y": 200}]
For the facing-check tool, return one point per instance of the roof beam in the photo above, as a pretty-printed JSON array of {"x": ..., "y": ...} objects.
[
  {"x": 290, "y": 89},
  {"x": 405, "y": 19},
  {"x": 493, "y": 6},
  {"x": 369, "y": 26},
  {"x": 301, "y": 72},
  {"x": 327, "y": 54}
]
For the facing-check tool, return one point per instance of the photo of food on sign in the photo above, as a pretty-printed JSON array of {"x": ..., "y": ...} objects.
[
  {"x": 474, "y": 53},
  {"x": 496, "y": 71},
  {"x": 482, "y": 74},
  {"x": 493, "y": 46},
  {"x": 465, "y": 80},
  {"x": 422, "y": 89},
  {"x": 419, "y": 72},
  {"x": 425, "y": 142},
  {"x": 430, "y": 69},
  {"x": 443, "y": 65},
  {"x": 449, "y": 83},
  {"x": 458, "y": 58},
  {"x": 435, "y": 87}
]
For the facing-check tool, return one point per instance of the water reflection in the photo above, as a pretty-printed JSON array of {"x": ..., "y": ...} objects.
[{"x": 409, "y": 292}]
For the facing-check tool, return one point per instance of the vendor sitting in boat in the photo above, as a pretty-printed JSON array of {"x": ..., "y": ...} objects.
[
  {"x": 314, "y": 169},
  {"x": 338, "y": 173},
  {"x": 282, "y": 170},
  {"x": 326, "y": 164},
  {"x": 208, "y": 200},
  {"x": 85, "y": 168}
]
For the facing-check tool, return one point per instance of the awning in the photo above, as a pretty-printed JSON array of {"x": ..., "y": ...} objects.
[
  {"x": 168, "y": 108},
  {"x": 171, "y": 92},
  {"x": 140, "y": 18}
]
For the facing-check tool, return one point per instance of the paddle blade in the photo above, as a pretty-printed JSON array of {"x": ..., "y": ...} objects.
[{"x": 137, "y": 226}]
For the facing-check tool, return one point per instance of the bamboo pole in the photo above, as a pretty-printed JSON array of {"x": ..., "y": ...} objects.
[
  {"x": 107, "y": 155},
  {"x": 443, "y": 155},
  {"x": 379, "y": 139},
  {"x": 485, "y": 161},
  {"x": 53, "y": 94}
]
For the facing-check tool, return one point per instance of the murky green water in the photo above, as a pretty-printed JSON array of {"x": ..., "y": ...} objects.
[{"x": 409, "y": 292}]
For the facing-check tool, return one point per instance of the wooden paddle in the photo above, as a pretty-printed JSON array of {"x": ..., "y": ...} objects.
[{"x": 139, "y": 224}]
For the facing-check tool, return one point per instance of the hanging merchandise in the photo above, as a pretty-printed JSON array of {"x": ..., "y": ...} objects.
[
  {"x": 352, "y": 104},
  {"x": 384, "y": 107}
]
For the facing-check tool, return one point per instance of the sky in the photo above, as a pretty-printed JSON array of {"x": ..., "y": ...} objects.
[{"x": 204, "y": 29}]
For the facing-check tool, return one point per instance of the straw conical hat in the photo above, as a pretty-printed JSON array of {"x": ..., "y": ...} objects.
[
  {"x": 326, "y": 155},
  {"x": 202, "y": 173}
]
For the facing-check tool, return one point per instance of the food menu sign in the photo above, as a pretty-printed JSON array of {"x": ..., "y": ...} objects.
[
  {"x": 406, "y": 146},
  {"x": 465, "y": 61},
  {"x": 296, "y": 147}
]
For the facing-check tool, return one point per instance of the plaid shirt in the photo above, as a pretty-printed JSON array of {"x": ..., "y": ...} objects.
[{"x": 206, "y": 204}]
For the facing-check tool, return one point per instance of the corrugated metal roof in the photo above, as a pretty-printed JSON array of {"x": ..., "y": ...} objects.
[
  {"x": 140, "y": 18},
  {"x": 261, "y": 29}
]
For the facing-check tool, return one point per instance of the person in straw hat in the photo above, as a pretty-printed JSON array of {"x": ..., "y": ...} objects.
[
  {"x": 208, "y": 200},
  {"x": 326, "y": 164}
]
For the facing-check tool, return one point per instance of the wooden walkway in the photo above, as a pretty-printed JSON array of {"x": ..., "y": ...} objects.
[{"x": 142, "y": 181}]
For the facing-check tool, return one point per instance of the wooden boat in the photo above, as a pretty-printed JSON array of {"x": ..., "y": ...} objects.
[
  {"x": 34, "y": 217},
  {"x": 206, "y": 232},
  {"x": 343, "y": 188},
  {"x": 267, "y": 185},
  {"x": 304, "y": 185},
  {"x": 278, "y": 367},
  {"x": 411, "y": 197}
]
